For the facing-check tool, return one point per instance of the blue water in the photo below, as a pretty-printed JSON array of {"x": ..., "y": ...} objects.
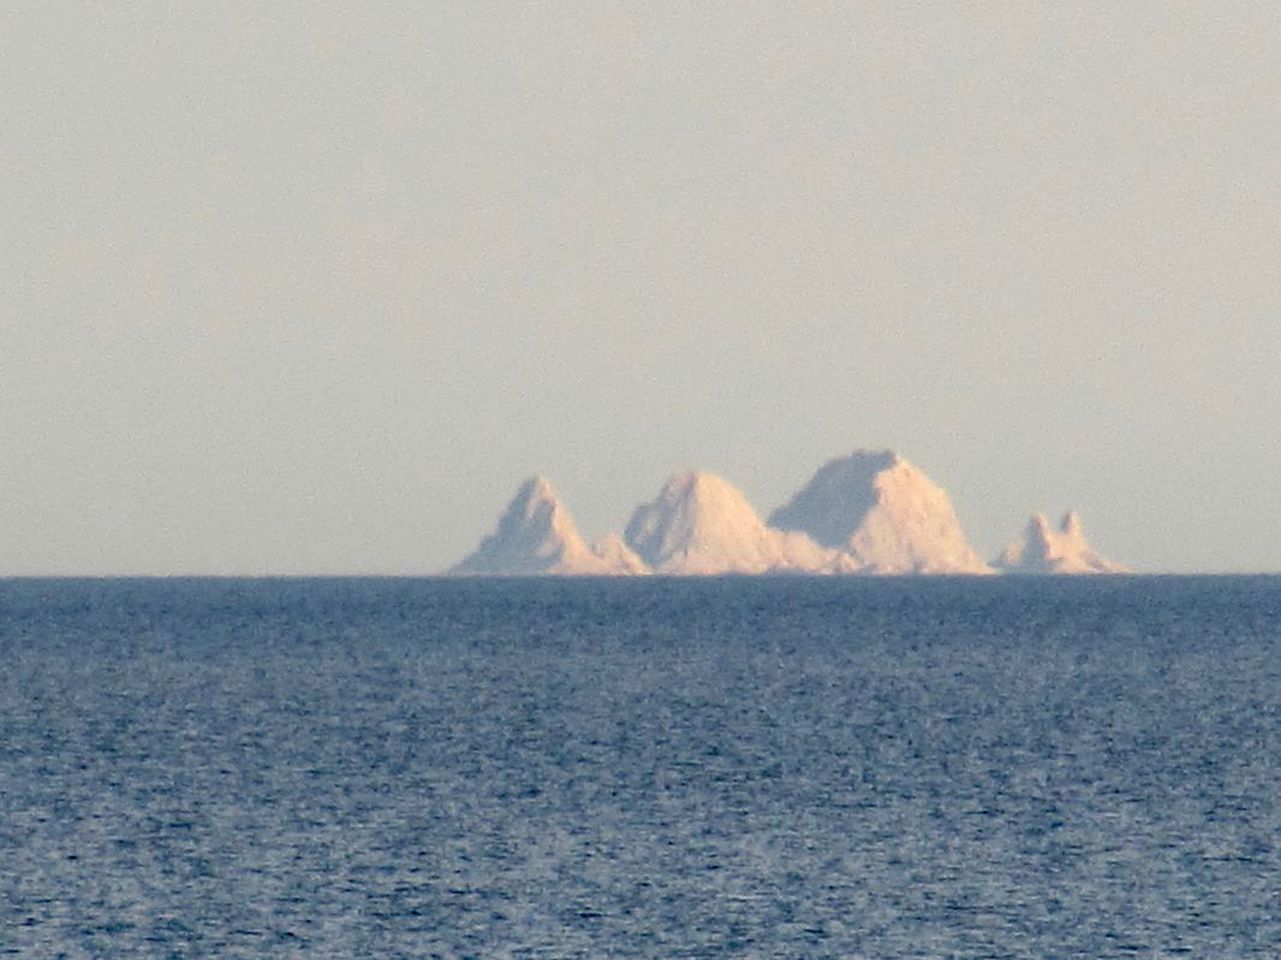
[{"x": 641, "y": 768}]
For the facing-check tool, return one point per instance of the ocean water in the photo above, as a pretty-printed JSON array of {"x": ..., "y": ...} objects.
[{"x": 641, "y": 768}]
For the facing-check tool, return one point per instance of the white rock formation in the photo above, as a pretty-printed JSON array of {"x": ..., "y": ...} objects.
[
  {"x": 1042, "y": 549},
  {"x": 884, "y": 516},
  {"x": 701, "y": 525},
  {"x": 871, "y": 512},
  {"x": 536, "y": 536}
]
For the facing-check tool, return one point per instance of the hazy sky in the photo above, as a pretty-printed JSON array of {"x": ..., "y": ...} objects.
[{"x": 311, "y": 288}]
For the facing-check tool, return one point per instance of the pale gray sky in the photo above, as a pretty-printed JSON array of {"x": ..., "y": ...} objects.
[{"x": 305, "y": 288}]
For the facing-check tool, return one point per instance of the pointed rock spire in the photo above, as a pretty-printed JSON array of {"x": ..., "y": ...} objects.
[{"x": 537, "y": 536}]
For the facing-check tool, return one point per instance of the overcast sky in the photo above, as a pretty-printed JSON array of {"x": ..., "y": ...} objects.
[{"x": 311, "y": 288}]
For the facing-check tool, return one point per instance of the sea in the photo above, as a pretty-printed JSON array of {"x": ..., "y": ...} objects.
[{"x": 649, "y": 767}]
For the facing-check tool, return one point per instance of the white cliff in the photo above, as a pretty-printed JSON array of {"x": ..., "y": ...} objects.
[
  {"x": 701, "y": 525},
  {"x": 1044, "y": 550},
  {"x": 536, "y": 536},
  {"x": 883, "y": 515}
]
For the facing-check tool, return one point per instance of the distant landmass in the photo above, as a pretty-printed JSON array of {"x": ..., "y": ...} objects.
[{"x": 871, "y": 513}]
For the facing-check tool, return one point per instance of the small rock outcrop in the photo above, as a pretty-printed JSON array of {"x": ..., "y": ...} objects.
[
  {"x": 619, "y": 557},
  {"x": 1044, "y": 550}
]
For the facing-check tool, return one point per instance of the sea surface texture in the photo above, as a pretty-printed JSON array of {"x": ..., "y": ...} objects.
[{"x": 970, "y": 768}]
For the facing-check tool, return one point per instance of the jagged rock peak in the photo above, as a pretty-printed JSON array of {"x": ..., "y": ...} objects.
[
  {"x": 537, "y": 508},
  {"x": 534, "y": 495},
  {"x": 884, "y": 514},
  {"x": 701, "y": 524},
  {"x": 1045, "y": 550},
  {"x": 537, "y": 536}
]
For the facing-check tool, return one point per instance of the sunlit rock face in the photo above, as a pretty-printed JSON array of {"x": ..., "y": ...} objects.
[
  {"x": 701, "y": 525},
  {"x": 1044, "y": 550},
  {"x": 536, "y": 536},
  {"x": 882, "y": 515}
]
